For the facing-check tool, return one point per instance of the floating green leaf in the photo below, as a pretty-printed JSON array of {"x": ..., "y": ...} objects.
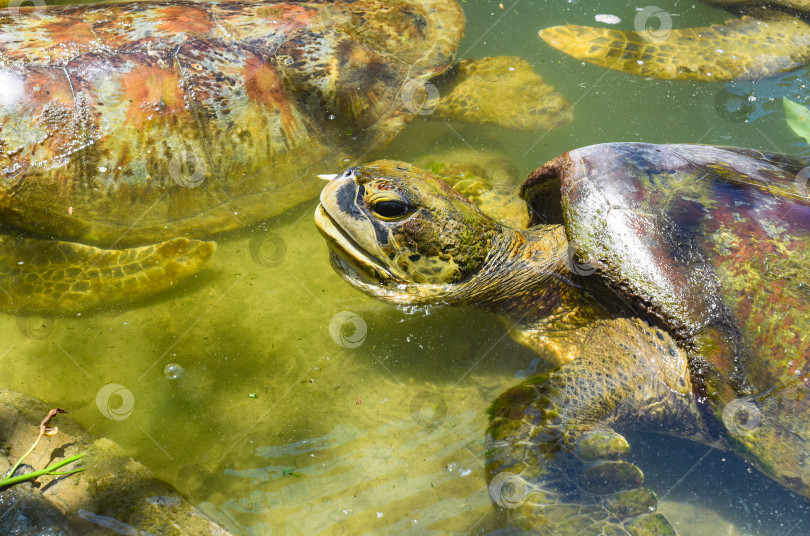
[
  {"x": 798, "y": 118},
  {"x": 290, "y": 472}
]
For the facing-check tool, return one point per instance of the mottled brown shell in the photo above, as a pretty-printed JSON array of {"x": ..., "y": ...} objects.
[
  {"x": 128, "y": 123},
  {"x": 712, "y": 241}
]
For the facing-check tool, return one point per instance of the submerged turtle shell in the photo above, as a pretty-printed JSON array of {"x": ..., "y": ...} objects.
[
  {"x": 128, "y": 123},
  {"x": 712, "y": 241}
]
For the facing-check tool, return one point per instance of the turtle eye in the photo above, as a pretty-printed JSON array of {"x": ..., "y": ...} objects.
[{"x": 391, "y": 209}]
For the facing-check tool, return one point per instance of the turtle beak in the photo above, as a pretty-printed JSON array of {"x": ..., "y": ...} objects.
[
  {"x": 348, "y": 230},
  {"x": 349, "y": 174},
  {"x": 347, "y": 257},
  {"x": 340, "y": 198}
]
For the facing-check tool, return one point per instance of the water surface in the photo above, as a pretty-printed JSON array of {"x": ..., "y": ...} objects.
[{"x": 278, "y": 425}]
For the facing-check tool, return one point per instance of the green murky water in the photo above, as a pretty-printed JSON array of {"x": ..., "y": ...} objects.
[{"x": 306, "y": 408}]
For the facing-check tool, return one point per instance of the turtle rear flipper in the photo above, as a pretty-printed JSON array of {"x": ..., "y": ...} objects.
[
  {"x": 503, "y": 91},
  {"x": 53, "y": 277},
  {"x": 743, "y": 48}
]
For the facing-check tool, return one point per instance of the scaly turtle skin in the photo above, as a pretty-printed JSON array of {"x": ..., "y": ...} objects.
[
  {"x": 770, "y": 38},
  {"x": 133, "y": 123},
  {"x": 670, "y": 283}
]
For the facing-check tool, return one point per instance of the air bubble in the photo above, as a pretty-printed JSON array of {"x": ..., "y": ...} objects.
[{"x": 172, "y": 371}]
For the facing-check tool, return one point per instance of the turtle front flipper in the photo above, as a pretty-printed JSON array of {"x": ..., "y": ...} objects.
[
  {"x": 743, "y": 48},
  {"x": 503, "y": 91},
  {"x": 555, "y": 462},
  {"x": 53, "y": 277}
]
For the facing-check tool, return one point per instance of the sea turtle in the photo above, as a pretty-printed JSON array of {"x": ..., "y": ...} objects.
[
  {"x": 134, "y": 123},
  {"x": 669, "y": 283},
  {"x": 770, "y": 38}
]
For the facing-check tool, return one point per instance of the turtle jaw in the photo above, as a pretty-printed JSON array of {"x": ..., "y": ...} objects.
[
  {"x": 359, "y": 269},
  {"x": 348, "y": 259}
]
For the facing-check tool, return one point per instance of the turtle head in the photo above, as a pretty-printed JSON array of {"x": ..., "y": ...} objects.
[{"x": 399, "y": 234}]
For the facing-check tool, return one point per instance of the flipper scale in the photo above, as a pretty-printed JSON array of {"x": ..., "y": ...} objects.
[{"x": 55, "y": 277}]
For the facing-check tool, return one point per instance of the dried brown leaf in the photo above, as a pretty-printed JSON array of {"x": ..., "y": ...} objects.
[{"x": 45, "y": 427}]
